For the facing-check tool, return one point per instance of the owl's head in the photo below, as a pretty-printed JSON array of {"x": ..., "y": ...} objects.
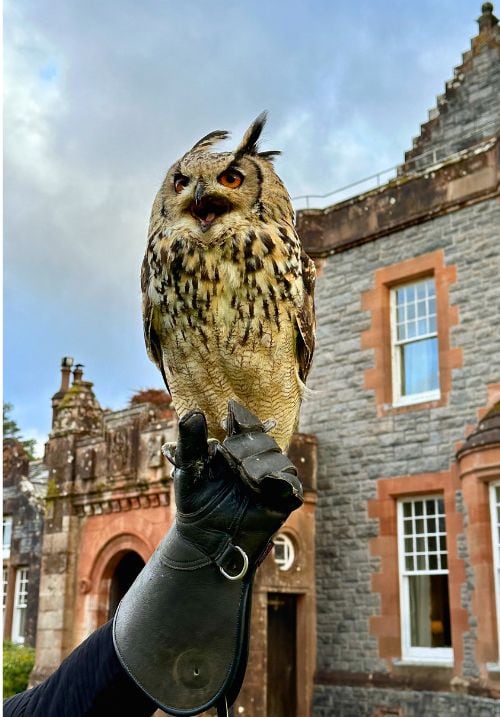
[{"x": 207, "y": 193}]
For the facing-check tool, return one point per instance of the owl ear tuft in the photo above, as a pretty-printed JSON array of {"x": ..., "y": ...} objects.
[
  {"x": 248, "y": 144},
  {"x": 270, "y": 156},
  {"x": 208, "y": 140}
]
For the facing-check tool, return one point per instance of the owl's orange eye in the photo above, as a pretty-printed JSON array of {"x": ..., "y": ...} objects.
[
  {"x": 180, "y": 181},
  {"x": 230, "y": 178}
]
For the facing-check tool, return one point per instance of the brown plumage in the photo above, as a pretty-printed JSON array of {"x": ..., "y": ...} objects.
[{"x": 227, "y": 289}]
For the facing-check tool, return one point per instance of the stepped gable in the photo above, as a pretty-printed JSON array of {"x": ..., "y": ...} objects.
[{"x": 469, "y": 109}]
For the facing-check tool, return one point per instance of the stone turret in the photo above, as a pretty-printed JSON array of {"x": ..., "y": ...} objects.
[{"x": 75, "y": 407}]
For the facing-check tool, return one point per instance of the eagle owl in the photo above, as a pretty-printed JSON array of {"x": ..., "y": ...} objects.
[{"x": 227, "y": 289}]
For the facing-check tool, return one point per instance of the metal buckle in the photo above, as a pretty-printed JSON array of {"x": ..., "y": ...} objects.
[{"x": 244, "y": 569}]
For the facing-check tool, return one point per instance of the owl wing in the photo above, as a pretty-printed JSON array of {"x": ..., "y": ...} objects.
[
  {"x": 151, "y": 338},
  {"x": 306, "y": 319}
]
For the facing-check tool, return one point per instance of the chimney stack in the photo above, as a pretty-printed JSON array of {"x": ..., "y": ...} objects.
[
  {"x": 66, "y": 364},
  {"x": 78, "y": 373}
]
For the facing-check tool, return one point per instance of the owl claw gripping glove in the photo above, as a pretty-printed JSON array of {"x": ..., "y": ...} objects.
[{"x": 181, "y": 631}]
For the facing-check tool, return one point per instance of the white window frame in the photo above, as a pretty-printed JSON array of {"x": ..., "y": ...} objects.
[
  {"x": 397, "y": 397},
  {"x": 495, "y": 529},
  {"x": 410, "y": 653},
  {"x": 6, "y": 532},
  {"x": 20, "y": 603},
  {"x": 286, "y": 542}
]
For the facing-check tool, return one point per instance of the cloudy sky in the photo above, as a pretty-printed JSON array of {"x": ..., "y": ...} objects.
[{"x": 100, "y": 99}]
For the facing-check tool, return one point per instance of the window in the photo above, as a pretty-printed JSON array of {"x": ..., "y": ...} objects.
[
  {"x": 423, "y": 562},
  {"x": 415, "y": 363},
  {"x": 20, "y": 605},
  {"x": 284, "y": 551},
  {"x": 7, "y": 536},
  {"x": 495, "y": 528}
]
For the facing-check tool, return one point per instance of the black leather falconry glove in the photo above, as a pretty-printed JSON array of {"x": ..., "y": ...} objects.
[{"x": 181, "y": 631}]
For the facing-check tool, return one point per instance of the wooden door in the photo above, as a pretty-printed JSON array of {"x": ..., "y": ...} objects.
[{"x": 281, "y": 655}]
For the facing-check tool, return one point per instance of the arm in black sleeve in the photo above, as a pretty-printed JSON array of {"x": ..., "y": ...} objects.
[{"x": 89, "y": 683}]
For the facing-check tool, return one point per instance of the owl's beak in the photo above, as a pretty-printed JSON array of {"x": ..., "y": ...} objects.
[{"x": 198, "y": 192}]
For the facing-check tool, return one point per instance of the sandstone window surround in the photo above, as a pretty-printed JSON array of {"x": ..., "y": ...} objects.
[
  {"x": 409, "y": 287},
  {"x": 20, "y": 605},
  {"x": 423, "y": 577},
  {"x": 388, "y": 626}
]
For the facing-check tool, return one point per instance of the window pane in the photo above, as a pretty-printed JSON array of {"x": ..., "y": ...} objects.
[
  {"x": 411, "y": 330},
  {"x": 430, "y": 506},
  {"x": 429, "y": 611},
  {"x": 419, "y": 366},
  {"x": 7, "y": 536},
  {"x": 407, "y": 509},
  {"x": 421, "y": 290},
  {"x": 400, "y": 296},
  {"x": 410, "y": 293},
  {"x": 411, "y": 311},
  {"x": 421, "y": 562}
]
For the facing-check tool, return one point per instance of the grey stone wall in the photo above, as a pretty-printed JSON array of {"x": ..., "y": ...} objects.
[
  {"x": 355, "y": 447},
  {"x": 357, "y": 702}
]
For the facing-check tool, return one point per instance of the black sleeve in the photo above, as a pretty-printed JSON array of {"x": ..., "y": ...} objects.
[{"x": 89, "y": 683}]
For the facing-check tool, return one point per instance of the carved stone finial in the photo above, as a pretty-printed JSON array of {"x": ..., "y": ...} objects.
[{"x": 487, "y": 21}]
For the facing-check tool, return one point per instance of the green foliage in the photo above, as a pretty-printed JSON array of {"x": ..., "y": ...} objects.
[
  {"x": 18, "y": 662},
  {"x": 12, "y": 430}
]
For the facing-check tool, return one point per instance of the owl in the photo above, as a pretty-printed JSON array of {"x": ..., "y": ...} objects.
[{"x": 227, "y": 289}]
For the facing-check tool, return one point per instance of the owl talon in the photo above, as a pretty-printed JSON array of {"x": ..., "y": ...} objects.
[
  {"x": 269, "y": 425},
  {"x": 168, "y": 450},
  {"x": 212, "y": 446}
]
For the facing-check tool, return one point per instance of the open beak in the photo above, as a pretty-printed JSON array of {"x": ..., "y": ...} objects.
[{"x": 206, "y": 208}]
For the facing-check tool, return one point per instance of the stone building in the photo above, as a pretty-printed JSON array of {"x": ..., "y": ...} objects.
[
  {"x": 109, "y": 503},
  {"x": 406, "y": 383},
  {"x": 24, "y": 487}
]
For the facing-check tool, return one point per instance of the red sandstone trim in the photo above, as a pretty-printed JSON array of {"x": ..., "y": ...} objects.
[
  {"x": 378, "y": 336},
  {"x": 386, "y": 627}
]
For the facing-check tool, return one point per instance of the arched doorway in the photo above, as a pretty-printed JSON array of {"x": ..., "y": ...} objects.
[{"x": 124, "y": 574}]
